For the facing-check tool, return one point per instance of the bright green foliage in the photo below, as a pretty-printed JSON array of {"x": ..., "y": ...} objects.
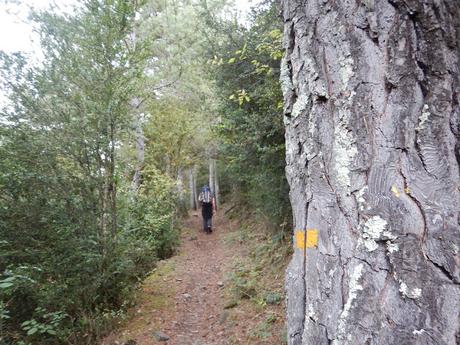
[
  {"x": 176, "y": 134},
  {"x": 246, "y": 70},
  {"x": 148, "y": 219},
  {"x": 73, "y": 238}
]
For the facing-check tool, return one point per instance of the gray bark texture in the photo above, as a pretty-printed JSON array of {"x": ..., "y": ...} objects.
[
  {"x": 192, "y": 190},
  {"x": 371, "y": 93}
]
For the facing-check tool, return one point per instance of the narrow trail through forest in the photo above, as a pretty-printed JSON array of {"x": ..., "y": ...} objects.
[{"x": 186, "y": 298}]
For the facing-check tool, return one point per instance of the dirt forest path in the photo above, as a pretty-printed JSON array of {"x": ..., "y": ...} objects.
[{"x": 183, "y": 302}]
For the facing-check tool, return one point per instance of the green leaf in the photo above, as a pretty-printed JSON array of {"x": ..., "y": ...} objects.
[
  {"x": 5, "y": 285},
  {"x": 32, "y": 331}
]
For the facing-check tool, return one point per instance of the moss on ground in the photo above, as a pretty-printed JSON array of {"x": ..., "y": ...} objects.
[
  {"x": 157, "y": 293},
  {"x": 255, "y": 283}
]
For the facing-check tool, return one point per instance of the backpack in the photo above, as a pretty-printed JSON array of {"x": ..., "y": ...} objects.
[{"x": 205, "y": 196}]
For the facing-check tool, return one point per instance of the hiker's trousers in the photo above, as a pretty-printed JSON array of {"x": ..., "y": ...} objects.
[{"x": 207, "y": 223}]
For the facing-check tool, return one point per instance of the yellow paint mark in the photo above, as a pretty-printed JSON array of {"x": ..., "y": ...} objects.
[
  {"x": 395, "y": 191},
  {"x": 300, "y": 239},
  {"x": 407, "y": 190},
  {"x": 312, "y": 239}
]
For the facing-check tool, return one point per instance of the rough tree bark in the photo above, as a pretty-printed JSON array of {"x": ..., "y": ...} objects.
[{"x": 371, "y": 94}]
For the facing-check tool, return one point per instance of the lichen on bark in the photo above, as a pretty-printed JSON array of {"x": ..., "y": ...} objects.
[{"x": 373, "y": 151}]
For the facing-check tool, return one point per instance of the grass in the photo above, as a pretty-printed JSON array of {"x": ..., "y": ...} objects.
[
  {"x": 156, "y": 294},
  {"x": 255, "y": 282}
]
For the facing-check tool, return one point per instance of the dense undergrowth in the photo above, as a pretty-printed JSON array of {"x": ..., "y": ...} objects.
[
  {"x": 76, "y": 234},
  {"x": 63, "y": 283},
  {"x": 251, "y": 132}
]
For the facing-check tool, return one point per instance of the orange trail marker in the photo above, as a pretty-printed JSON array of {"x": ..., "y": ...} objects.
[
  {"x": 312, "y": 239},
  {"x": 300, "y": 239}
]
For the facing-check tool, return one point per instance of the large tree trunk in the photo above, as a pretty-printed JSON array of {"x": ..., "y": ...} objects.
[{"x": 372, "y": 150}]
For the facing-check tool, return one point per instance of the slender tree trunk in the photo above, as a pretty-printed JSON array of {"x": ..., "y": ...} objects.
[
  {"x": 216, "y": 184},
  {"x": 111, "y": 180},
  {"x": 140, "y": 147},
  {"x": 180, "y": 186},
  {"x": 211, "y": 175},
  {"x": 191, "y": 185},
  {"x": 372, "y": 151},
  {"x": 195, "y": 169}
]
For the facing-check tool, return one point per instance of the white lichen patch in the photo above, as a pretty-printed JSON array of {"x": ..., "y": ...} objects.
[
  {"x": 409, "y": 293},
  {"x": 346, "y": 70},
  {"x": 392, "y": 247},
  {"x": 374, "y": 227},
  {"x": 285, "y": 77},
  {"x": 300, "y": 105},
  {"x": 344, "y": 142},
  {"x": 417, "y": 293},
  {"x": 370, "y": 244},
  {"x": 372, "y": 230},
  {"x": 344, "y": 148},
  {"x": 353, "y": 287},
  {"x": 360, "y": 198},
  {"x": 311, "y": 312},
  {"x": 344, "y": 154},
  {"x": 387, "y": 235},
  {"x": 423, "y": 117},
  {"x": 418, "y": 331}
]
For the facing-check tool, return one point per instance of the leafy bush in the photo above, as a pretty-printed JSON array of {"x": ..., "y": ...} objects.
[
  {"x": 69, "y": 253},
  {"x": 148, "y": 217},
  {"x": 251, "y": 130}
]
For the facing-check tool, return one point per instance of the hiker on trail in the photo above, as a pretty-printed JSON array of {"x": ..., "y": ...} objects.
[{"x": 208, "y": 207}]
